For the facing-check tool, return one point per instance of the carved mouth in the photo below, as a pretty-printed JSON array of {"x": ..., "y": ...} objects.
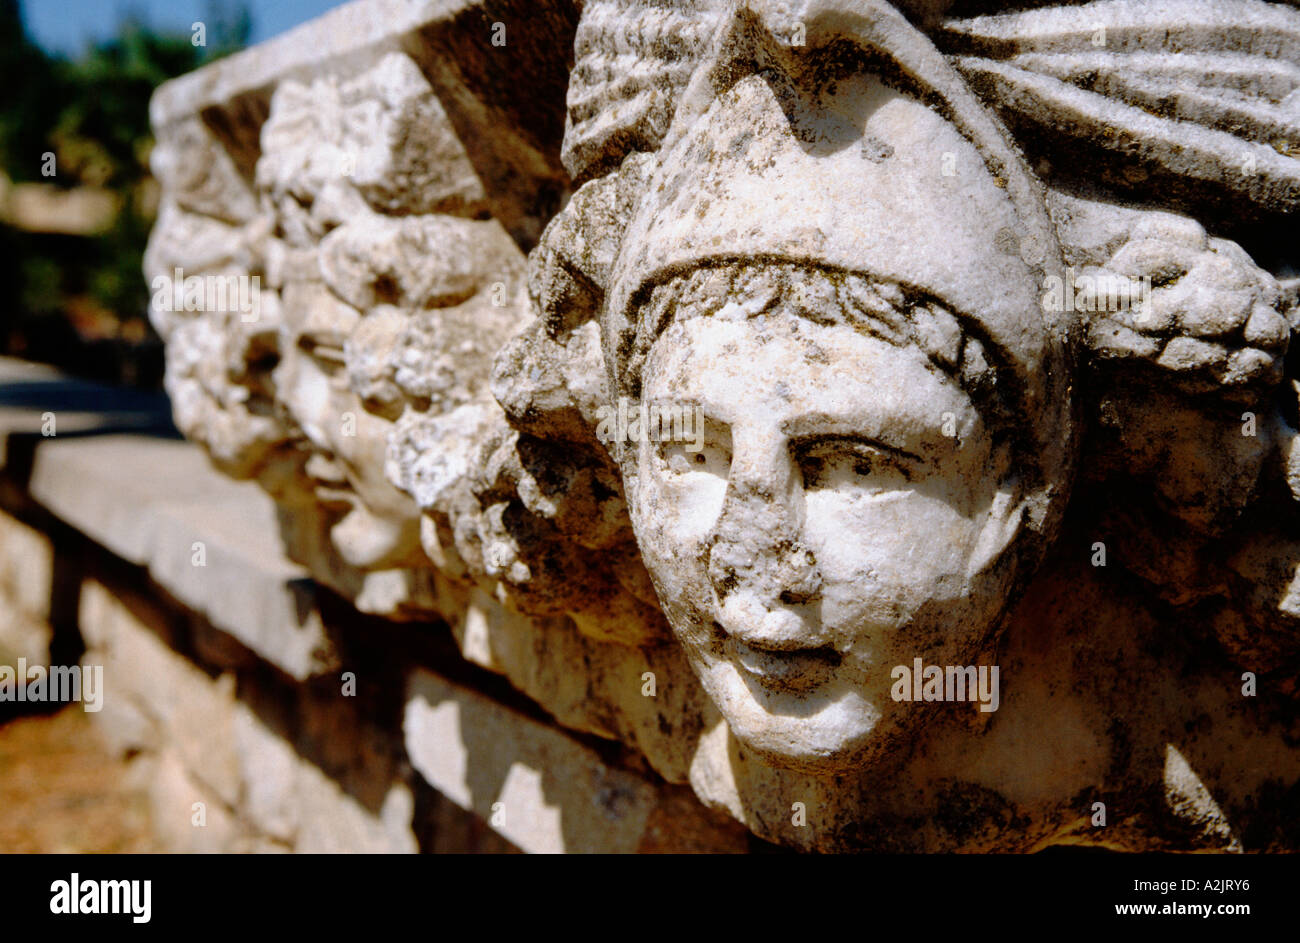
[
  {"x": 798, "y": 670},
  {"x": 331, "y": 495},
  {"x": 328, "y": 483}
]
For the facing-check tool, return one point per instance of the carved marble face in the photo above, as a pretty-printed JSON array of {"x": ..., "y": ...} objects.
[
  {"x": 834, "y": 525},
  {"x": 877, "y": 380},
  {"x": 319, "y": 382}
]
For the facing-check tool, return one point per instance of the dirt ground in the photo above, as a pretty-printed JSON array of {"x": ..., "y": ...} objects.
[{"x": 60, "y": 791}]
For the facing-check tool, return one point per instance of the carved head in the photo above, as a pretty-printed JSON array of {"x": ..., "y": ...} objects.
[
  {"x": 331, "y": 383},
  {"x": 375, "y": 199},
  {"x": 887, "y": 428}
]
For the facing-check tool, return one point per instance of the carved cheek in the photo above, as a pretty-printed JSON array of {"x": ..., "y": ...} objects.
[
  {"x": 364, "y": 455},
  {"x": 307, "y": 397},
  {"x": 356, "y": 435},
  {"x": 882, "y": 558},
  {"x": 668, "y": 534},
  {"x": 679, "y": 500}
]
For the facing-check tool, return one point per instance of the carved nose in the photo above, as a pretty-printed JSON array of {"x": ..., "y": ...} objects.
[
  {"x": 761, "y": 587},
  {"x": 782, "y": 572},
  {"x": 756, "y": 545},
  {"x": 324, "y": 469},
  {"x": 762, "y": 575}
]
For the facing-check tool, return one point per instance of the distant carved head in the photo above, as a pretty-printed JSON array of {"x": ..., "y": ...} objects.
[
  {"x": 377, "y": 214},
  {"x": 330, "y": 382},
  {"x": 887, "y": 428}
]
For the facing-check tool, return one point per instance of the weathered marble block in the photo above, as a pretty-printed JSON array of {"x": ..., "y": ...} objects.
[{"x": 879, "y": 416}]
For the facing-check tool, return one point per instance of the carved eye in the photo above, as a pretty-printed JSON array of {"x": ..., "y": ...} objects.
[
  {"x": 704, "y": 448},
  {"x": 849, "y": 463},
  {"x": 324, "y": 348}
]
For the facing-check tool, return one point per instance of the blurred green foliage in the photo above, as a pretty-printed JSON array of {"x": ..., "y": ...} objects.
[{"x": 92, "y": 113}]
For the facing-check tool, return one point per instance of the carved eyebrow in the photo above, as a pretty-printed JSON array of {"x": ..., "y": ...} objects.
[
  {"x": 685, "y": 401},
  {"x": 671, "y": 402},
  {"x": 322, "y": 337},
  {"x": 830, "y": 438}
]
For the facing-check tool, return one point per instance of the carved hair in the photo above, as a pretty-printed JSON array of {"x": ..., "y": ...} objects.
[{"x": 900, "y": 315}]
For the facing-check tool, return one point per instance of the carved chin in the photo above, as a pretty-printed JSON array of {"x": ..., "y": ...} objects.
[
  {"x": 371, "y": 543},
  {"x": 830, "y": 730}
]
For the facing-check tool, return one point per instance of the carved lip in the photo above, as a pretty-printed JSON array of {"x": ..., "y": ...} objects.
[
  {"x": 799, "y": 669},
  {"x": 332, "y": 495},
  {"x": 328, "y": 482}
]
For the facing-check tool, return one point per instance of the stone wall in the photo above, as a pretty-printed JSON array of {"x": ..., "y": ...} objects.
[{"x": 258, "y": 711}]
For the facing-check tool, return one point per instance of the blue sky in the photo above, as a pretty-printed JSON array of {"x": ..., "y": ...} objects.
[{"x": 67, "y": 25}]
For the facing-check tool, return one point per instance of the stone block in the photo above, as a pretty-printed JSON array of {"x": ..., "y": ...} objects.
[
  {"x": 210, "y": 542},
  {"x": 26, "y": 568},
  {"x": 194, "y": 714},
  {"x": 541, "y": 788}
]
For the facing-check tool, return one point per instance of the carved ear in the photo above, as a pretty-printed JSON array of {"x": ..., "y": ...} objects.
[{"x": 1003, "y": 521}]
